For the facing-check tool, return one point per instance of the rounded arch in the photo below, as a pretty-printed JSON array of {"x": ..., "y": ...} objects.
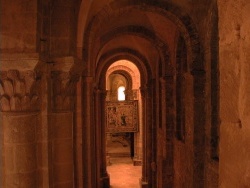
[
  {"x": 194, "y": 59},
  {"x": 119, "y": 54},
  {"x": 126, "y": 75},
  {"x": 155, "y": 41},
  {"x": 126, "y": 71},
  {"x": 166, "y": 9}
]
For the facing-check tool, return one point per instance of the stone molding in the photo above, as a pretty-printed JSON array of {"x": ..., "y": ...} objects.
[
  {"x": 19, "y": 91},
  {"x": 19, "y": 61}
]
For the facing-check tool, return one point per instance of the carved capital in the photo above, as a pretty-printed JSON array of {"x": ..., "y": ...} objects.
[
  {"x": 63, "y": 90},
  {"x": 68, "y": 64},
  {"x": 19, "y": 91}
]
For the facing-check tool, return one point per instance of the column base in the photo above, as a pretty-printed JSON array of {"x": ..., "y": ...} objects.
[
  {"x": 137, "y": 162},
  {"x": 143, "y": 184},
  {"x": 105, "y": 181},
  {"x": 108, "y": 160}
]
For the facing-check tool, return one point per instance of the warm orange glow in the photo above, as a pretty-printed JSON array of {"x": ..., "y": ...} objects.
[{"x": 121, "y": 94}]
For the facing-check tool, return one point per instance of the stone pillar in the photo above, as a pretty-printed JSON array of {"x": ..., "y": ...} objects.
[
  {"x": 20, "y": 117},
  {"x": 89, "y": 159},
  {"x": 137, "y": 160},
  {"x": 78, "y": 136},
  {"x": 100, "y": 98},
  {"x": 147, "y": 165},
  {"x": 168, "y": 150},
  {"x": 61, "y": 121},
  {"x": 161, "y": 134},
  {"x": 199, "y": 80},
  {"x": 133, "y": 95}
]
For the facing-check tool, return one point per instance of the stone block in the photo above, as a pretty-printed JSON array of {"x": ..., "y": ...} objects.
[
  {"x": 42, "y": 154},
  {"x": 61, "y": 28},
  {"x": 11, "y": 180},
  {"x": 41, "y": 132},
  {"x": 42, "y": 178},
  {"x": 9, "y": 159},
  {"x": 60, "y": 46},
  {"x": 28, "y": 180},
  {"x": 64, "y": 185},
  {"x": 29, "y": 41},
  {"x": 19, "y": 128},
  {"x": 62, "y": 125},
  {"x": 63, "y": 151},
  {"x": 62, "y": 173},
  {"x": 234, "y": 146},
  {"x": 25, "y": 158}
]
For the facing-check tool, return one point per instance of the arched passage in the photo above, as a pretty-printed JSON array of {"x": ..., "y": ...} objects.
[
  {"x": 102, "y": 84},
  {"x": 155, "y": 54},
  {"x": 124, "y": 135}
]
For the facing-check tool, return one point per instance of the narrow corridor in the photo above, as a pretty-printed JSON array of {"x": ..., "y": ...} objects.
[{"x": 123, "y": 174}]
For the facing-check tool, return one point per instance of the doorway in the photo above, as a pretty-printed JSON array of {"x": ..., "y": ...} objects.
[{"x": 123, "y": 125}]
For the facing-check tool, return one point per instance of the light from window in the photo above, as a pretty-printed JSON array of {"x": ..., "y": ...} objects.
[{"x": 121, "y": 94}]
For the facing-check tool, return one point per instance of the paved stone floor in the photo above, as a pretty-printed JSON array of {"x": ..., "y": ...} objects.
[{"x": 123, "y": 174}]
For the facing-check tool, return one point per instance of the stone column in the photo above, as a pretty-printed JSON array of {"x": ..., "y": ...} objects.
[
  {"x": 137, "y": 160},
  {"x": 199, "y": 80},
  {"x": 61, "y": 122},
  {"x": 168, "y": 150},
  {"x": 78, "y": 136},
  {"x": 88, "y": 135},
  {"x": 161, "y": 134},
  {"x": 20, "y": 117},
  {"x": 100, "y": 98},
  {"x": 147, "y": 165}
]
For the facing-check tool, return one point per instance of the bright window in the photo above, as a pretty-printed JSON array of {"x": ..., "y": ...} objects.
[{"x": 121, "y": 94}]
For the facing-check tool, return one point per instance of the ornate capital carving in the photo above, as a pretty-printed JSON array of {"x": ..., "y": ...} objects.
[
  {"x": 65, "y": 73},
  {"x": 19, "y": 91},
  {"x": 63, "y": 90}
]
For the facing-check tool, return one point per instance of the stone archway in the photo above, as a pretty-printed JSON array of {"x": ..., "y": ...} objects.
[
  {"x": 158, "y": 84},
  {"x": 145, "y": 115},
  {"x": 131, "y": 73}
]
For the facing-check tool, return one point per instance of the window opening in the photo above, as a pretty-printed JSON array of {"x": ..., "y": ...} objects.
[{"x": 121, "y": 94}]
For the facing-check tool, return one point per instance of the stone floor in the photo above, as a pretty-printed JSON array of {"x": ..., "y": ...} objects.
[{"x": 123, "y": 174}]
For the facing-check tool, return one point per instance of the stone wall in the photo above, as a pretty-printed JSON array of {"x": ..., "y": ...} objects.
[
  {"x": 194, "y": 153},
  {"x": 18, "y": 26},
  {"x": 63, "y": 28},
  {"x": 31, "y": 33},
  {"x": 234, "y": 47}
]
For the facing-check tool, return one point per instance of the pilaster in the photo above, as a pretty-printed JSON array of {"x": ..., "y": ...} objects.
[
  {"x": 100, "y": 98},
  {"x": 64, "y": 77},
  {"x": 168, "y": 150},
  {"x": 89, "y": 160},
  {"x": 148, "y": 166}
]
